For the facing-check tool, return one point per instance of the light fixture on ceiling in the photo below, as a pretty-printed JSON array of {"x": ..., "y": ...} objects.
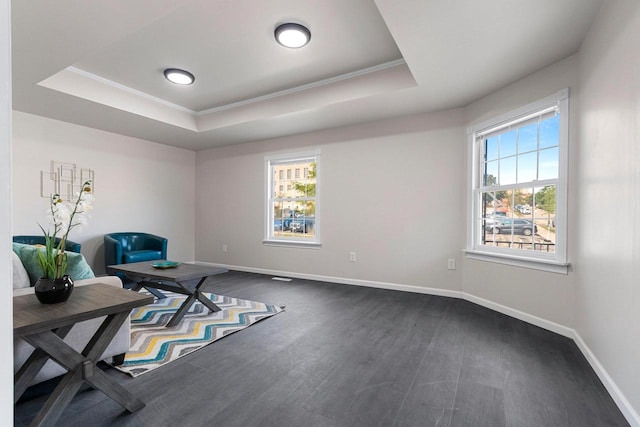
[
  {"x": 179, "y": 77},
  {"x": 292, "y": 35}
]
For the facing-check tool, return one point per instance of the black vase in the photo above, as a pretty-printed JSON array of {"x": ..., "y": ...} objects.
[{"x": 52, "y": 291}]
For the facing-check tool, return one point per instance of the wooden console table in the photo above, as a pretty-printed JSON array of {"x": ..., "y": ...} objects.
[{"x": 44, "y": 326}]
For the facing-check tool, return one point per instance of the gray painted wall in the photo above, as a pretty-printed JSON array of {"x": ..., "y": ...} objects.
[
  {"x": 391, "y": 191},
  {"x": 608, "y": 196},
  {"x": 139, "y": 185}
]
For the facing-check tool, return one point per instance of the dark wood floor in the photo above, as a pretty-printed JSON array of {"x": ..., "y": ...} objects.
[{"x": 353, "y": 356}]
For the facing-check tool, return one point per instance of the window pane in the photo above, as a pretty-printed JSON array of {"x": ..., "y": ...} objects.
[
  {"x": 550, "y": 132},
  {"x": 304, "y": 188},
  {"x": 277, "y": 216},
  {"x": 523, "y": 202},
  {"x": 528, "y": 138},
  {"x": 544, "y": 216},
  {"x": 527, "y": 167},
  {"x": 509, "y": 221},
  {"x": 506, "y": 203},
  {"x": 491, "y": 173},
  {"x": 545, "y": 201},
  {"x": 303, "y": 221},
  {"x": 508, "y": 143},
  {"x": 496, "y": 203},
  {"x": 491, "y": 148},
  {"x": 548, "y": 167},
  {"x": 507, "y": 171},
  {"x": 487, "y": 206}
]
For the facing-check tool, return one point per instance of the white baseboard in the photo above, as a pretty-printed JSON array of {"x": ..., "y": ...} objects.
[
  {"x": 616, "y": 394},
  {"x": 521, "y": 315},
  {"x": 624, "y": 405},
  {"x": 342, "y": 280},
  {"x": 619, "y": 398}
]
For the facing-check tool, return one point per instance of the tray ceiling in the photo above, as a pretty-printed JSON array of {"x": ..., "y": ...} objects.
[{"x": 100, "y": 64}]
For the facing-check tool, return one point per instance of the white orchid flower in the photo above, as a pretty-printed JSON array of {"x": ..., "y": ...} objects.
[{"x": 64, "y": 215}]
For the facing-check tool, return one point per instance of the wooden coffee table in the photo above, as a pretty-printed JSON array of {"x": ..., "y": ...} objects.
[
  {"x": 178, "y": 279},
  {"x": 44, "y": 326}
]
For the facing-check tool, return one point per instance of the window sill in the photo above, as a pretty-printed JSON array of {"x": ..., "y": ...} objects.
[
  {"x": 532, "y": 263},
  {"x": 292, "y": 244}
]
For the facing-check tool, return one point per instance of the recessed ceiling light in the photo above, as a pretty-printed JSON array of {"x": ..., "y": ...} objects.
[
  {"x": 179, "y": 77},
  {"x": 292, "y": 35}
]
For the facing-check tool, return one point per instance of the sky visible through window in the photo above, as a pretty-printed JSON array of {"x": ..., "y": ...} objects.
[{"x": 523, "y": 154}]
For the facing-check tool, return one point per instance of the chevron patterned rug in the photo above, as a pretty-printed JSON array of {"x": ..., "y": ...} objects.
[{"x": 153, "y": 344}]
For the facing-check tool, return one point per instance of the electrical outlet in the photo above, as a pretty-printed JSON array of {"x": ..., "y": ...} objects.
[
  {"x": 451, "y": 264},
  {"x": 224, "y": 248},
  {"x": 352, "y": 256}
]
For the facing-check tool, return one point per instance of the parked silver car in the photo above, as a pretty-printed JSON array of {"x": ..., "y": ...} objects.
[
  {"x": 513, "y": 225},
  {"x": 489, "y": 220}
]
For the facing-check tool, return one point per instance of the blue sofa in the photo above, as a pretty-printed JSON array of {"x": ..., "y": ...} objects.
[{"x": 39, "y": 240}]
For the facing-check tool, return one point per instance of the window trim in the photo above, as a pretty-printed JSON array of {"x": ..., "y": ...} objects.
[
  {"x": 270, "y": 240},
  {"x": 556, "y": 262}
]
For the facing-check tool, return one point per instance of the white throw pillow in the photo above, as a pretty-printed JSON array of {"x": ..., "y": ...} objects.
[{"x": 20, "y": 276}]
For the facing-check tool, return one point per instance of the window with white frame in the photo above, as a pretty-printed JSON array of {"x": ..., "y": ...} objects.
[
  {"x": 291, "y": 215},
  {"x": 518, "y": 186}
]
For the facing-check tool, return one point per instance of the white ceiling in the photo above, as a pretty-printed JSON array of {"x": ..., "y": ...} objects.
[{"x": 100, "y": 63}]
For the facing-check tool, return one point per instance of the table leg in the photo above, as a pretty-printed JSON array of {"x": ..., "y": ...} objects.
[
  {"x": 59, "y": 399},
  {"x": 203, "y": 299},
  {"x": 81, "y": 368},
  {"x": 156, "y": 293},
  {"x": 193, "y": 296},
  {"x": 181, "y": 311},
  {"x": 32, "y": 366},
  {"x": 141, "y": 284},
  {"x": 111, "y": 388}
]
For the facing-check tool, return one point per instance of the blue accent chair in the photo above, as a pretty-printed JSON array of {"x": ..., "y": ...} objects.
[
  {"x": 127, "y": 248},
  {"x": 39, "y": 240}
]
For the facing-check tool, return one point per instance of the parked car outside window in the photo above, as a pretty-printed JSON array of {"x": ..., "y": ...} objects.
[{"x": 515, "y": 226}]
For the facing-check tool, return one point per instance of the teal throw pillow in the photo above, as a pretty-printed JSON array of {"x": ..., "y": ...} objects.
[{"x": 77, "y": 267}]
